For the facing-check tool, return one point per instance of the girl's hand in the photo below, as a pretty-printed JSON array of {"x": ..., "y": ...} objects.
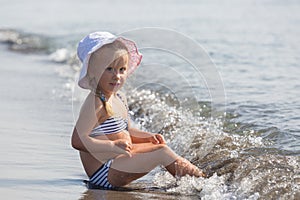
[
  {"x": 122, "y": 146},
  {"x": 157, "y": 139}
]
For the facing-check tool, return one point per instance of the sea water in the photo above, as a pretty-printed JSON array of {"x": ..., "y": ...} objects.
[{"x": 250, "y": 149}]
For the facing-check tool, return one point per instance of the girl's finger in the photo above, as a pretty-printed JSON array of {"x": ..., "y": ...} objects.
[
  {"x": 156, "y": 140},
  {"x": 160, "y": 139}
]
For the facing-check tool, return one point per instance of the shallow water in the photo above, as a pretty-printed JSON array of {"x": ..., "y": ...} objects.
[{"x": 250, "y": 152}]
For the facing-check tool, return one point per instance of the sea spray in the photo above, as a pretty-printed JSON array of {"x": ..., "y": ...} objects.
[
  {"x": 239, "y": 163},
  {"x": 213, "y": 187},
  {"x": 241, "y": 153}
]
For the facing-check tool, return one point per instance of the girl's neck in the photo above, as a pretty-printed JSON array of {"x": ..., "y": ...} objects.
[{"x": 103, "y": 96}]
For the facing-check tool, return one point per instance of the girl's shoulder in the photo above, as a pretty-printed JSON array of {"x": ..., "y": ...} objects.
[
  {"x": 92, "y": 112},
  {"x": 92, "y": 104}
]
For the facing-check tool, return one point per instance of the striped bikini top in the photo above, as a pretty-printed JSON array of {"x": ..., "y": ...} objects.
[{"x": 111, "y": 125}]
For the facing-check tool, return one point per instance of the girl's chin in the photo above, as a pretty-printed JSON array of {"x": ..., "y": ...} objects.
[
  {"x": 111, "y": 88},
  {"x": 114, "y": 88}
]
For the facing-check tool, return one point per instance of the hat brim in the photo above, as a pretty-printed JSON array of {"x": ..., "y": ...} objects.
[{"x": 134, "y": 61}]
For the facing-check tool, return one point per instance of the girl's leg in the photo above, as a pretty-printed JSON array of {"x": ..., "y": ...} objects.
[
  {"x": 146, "y": 157},
  {"x": 182, "y": 167}
]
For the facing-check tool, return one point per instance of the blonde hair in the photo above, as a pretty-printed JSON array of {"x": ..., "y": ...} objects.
[
  {"x": 119, "y": 50},
  {"x": 107, "y": 106}
]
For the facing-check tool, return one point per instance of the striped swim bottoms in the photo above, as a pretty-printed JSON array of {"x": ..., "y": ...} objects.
[{"x": 99, "y": 178}]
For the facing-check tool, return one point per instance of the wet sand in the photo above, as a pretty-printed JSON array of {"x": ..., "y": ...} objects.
[
  {"x": 37, "y": 161},
  {"x": 36, "y": 120}
]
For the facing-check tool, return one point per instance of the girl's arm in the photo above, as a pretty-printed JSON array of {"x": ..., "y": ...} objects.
[
  {"x": 91, "y": 145},
  {"x": 87, "y": 119},
  {"x": 139, "y": 136}
]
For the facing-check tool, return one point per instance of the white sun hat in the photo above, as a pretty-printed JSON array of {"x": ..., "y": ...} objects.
[{"x": 94, "y": 41}]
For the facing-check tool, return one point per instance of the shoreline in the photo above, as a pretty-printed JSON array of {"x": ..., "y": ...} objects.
[{"x": 36, "y": 124}]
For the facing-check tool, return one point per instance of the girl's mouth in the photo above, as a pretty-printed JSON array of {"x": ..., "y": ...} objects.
[{"x": 114, "y": 84}]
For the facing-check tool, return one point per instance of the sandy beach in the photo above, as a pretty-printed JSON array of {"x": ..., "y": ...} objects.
[
  {"x": 251, "y": 152},
  {"x": 36, "y": 160}
]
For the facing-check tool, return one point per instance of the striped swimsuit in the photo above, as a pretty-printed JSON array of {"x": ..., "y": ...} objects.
[
  {"x": 99, "y": 179},
  {"x": 110, "y": 126}
]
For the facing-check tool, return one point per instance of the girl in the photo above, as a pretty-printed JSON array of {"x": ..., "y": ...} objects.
[{"x": 112, "y": 152}]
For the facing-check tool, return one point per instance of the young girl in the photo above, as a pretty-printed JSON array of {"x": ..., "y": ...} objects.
[{"x": 112, "y": 152}]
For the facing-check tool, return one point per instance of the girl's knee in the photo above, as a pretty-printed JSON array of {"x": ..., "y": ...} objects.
[{"x": 164, "y": 148}]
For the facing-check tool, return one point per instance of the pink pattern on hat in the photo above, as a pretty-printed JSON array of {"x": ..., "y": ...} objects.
[
  {"x": 135, "y": 56},
  {"x": 95, "y": 41}
]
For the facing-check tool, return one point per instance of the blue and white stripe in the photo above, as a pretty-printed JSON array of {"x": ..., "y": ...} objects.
[
  {"x": 99, "y": 178},
  {"x": 111, "y": 125}
]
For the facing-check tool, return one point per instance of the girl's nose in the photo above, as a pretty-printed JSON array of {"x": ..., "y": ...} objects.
[{"x": 116, "y": 74}]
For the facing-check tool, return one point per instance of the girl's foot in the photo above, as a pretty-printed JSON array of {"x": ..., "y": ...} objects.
[{"x": 183, "y": 167}]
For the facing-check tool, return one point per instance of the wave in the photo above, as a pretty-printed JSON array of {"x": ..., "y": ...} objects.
[
  {"x": 24, "y": 43},
  {"x": 241, "y": 163},
  {"x": 241, "y": 159}
]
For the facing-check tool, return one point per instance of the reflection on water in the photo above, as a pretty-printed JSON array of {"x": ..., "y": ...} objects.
[{"x": 136, "y": 195}]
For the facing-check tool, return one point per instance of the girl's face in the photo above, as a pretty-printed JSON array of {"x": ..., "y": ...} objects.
[
  {"x": 108, "y": 69},
  {"x": 114, "y": 76}
]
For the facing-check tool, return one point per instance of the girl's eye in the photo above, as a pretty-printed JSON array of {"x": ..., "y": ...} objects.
[
  {"x": 109, "y": 69},
  {"x": 123, "y": 69}
]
